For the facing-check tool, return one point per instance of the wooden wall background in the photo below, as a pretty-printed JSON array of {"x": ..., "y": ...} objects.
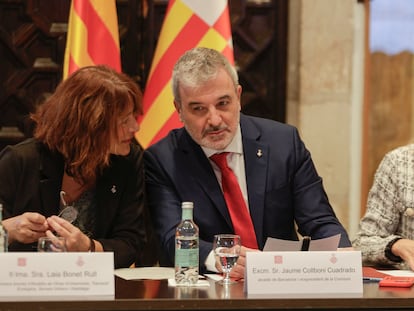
[
  {"x": 32, "y": 45},
  {"x": 391, "y": 103},
  {"x": 33, "y": 37}
]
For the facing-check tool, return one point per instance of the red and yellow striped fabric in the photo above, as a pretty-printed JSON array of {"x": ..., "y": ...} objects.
[
  {"x": 93, "y": 37},
  {"x": 187, "y": 24}
]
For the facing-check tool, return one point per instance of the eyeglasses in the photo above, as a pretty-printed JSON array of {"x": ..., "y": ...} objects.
[{"x": 69, "y": 212}]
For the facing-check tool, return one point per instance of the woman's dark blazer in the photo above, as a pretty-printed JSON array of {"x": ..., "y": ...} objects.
[{"x": 31, "y": 179}]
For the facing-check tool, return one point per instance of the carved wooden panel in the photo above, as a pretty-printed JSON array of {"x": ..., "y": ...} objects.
[
  {"x": 259, "y": 37},
  {"x": 33, "y": 37},
  {"x": 259, "y": 30}
]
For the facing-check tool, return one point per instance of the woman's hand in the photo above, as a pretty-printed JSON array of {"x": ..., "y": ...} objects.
[
  {"x": 76, "y": 240},
  {"x": 26, "y": 228},
  {"x": 404, "y": 248}
]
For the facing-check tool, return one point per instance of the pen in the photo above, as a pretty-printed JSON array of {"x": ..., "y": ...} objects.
[
  {"x": 368, "y": 279},
  {"x": 305, "y": 243}
]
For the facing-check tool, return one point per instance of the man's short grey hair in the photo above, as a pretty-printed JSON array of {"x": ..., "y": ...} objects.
[{"x": 197, "y": 66}]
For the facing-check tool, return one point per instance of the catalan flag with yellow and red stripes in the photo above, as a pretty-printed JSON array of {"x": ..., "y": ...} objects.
[
  {"x": 187, "y": 24},
  {"x": 93, "y": 37}
]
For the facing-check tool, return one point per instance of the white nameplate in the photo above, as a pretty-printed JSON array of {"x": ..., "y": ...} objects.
[
  {"x": 304, "y": 274},
  {"x": 27, "y": 274}
]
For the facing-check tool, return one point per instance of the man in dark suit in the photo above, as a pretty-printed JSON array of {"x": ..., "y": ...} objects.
[{"x": 278, "y": 180}]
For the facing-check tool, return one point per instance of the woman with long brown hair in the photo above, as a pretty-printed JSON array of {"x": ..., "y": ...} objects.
[{"x": 83, "y": 155}]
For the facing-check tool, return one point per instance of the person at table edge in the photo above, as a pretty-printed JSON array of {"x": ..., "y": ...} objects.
[
  {"x": 281, "y": 185},
  {"x": 83, "y": 154}
]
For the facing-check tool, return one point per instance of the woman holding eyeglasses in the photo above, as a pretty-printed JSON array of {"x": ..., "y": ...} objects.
[{"x": 83, "y": 156}]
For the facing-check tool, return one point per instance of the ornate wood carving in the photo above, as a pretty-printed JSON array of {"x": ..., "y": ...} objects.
[{"x": 33, "y": 37}]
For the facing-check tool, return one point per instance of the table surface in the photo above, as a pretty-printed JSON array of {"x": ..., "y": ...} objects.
[{"x": 157, "y": 295}]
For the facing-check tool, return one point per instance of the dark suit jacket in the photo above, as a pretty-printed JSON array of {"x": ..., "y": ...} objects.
[
  {"x": 283, "y": 188},
  {"x": 31, "y": 179}
]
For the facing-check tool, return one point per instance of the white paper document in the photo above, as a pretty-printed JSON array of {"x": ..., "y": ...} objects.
[
  {"x": 145, "y": 273},
  {"x": 405, "y": 273}
]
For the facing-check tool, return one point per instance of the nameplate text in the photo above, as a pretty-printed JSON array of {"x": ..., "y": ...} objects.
[
  {"x": 26, "y": 274},
  {"x": 303, "y": 273}
]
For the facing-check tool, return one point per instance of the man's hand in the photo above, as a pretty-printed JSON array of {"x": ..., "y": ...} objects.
[
  {"x": 238, "y": 270},
  {"x": 350, "y": 248}
]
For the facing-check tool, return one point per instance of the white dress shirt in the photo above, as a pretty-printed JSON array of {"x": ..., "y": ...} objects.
[{"x": 235, "y": 161}]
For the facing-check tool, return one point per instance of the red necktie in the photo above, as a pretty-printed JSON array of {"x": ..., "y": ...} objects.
[{"x": 240, "y": 216}]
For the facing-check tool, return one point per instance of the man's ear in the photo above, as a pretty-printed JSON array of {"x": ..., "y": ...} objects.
[
  {"x": 239, "y": 91},
  {"x": 177, "y": 106},
  {"x": 178, "y": 109}
]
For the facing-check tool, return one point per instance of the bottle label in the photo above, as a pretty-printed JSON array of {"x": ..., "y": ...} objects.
[
  {"x": 186, "y": 266},
  {"x": 186, "y": 257}
]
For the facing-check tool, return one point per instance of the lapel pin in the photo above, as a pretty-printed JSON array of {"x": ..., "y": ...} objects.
[
  {"x": 259, "y": 153},
  {"x": 113, "y": 189}
]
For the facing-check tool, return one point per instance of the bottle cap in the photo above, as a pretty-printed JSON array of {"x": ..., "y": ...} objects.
[{"x": 187, "y": 205}]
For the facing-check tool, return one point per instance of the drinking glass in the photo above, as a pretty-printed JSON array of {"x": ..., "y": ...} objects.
[
  {"x": 227, "y": 250},
  {"x": 55, "y": 244}
]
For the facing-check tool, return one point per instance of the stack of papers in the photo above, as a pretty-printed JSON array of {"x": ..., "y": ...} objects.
[{"x": 145, "y": 273}]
